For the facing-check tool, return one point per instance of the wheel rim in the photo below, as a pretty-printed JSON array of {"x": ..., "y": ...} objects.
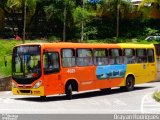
[{"x": 130, "y": 82}]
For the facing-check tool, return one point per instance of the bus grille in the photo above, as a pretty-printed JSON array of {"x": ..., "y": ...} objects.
[
  {"x": 24, "y": 86},
  {"x": 25, "y": 91}
]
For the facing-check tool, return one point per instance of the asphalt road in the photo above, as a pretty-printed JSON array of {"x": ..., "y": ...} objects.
[{"x": 137, "y": 101}]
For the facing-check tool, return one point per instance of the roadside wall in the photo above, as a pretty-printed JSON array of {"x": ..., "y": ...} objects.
[{"x": 5, "y": 84}]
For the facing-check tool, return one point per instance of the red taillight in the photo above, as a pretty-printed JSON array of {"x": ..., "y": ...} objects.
[{"x": 34, "y": 75}]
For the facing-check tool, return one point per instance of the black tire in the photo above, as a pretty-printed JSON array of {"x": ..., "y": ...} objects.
[
  {"x": 43, "y": 97},
  {"x": 129, "y": 83},
  {"x": 123, "y": 88},
  {"x": 69, "y": 91},
  {"x": 106, "y": 90}
]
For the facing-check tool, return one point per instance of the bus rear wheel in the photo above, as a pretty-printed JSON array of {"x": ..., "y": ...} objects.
[
  {"x": 69, "y": 91},
  {"x": 129, "y": 83}
]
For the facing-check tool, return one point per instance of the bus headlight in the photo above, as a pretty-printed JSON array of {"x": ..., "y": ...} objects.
[
  {"x": 14, "y": 85},
  {"x": 38, "y": 84}
]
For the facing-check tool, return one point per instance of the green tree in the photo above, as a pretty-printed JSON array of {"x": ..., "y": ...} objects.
[
  {"x": 116, "y": 10},
  {"x": 2, "y": 3},
  {"x": 82, "y": 16},
  {"x": 109, "y": 8},
  {"x": 19, "y": 4},
  {"x": 61, "y": 11}
]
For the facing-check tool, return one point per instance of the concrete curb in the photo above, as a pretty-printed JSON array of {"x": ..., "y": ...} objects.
[{"x": 5, "y": 84}]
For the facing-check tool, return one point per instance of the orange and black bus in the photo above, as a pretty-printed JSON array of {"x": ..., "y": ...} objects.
[{"x": 44, "y": 69}]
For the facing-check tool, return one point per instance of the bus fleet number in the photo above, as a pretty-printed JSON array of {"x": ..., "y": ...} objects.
[{"x": 71, "y": 71}]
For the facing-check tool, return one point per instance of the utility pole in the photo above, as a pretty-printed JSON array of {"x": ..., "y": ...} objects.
[
  {"x": 118, "y": 16},
  {"x": 64, "y": 21},
  {"x": 24, "y": 22},
  {"x": 82, "y": 24}
]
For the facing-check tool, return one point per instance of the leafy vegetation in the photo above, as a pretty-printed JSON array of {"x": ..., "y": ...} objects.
[
  {"x": 156, "y": 96},
  {"x": 66, "y": 18},
  {"x": 6, "y": 50}
]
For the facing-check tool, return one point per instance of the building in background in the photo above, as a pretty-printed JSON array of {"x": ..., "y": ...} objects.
[{"x": 136, "y": 2}]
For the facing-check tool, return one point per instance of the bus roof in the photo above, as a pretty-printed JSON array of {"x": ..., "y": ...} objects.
[
  {"x": 134, "y": 45},
  {"x": 90, "y": 45},
  {"x": 74, "y": 45}
]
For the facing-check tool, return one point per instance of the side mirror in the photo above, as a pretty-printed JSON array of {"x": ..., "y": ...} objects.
[{"x": 5, "y": 61}]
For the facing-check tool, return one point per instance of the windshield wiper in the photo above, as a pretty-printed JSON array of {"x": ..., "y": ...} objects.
[{"x": 19, "y": 58}]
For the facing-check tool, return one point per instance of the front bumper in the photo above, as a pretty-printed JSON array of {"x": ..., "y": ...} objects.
[{"x": 35, "y": 92}]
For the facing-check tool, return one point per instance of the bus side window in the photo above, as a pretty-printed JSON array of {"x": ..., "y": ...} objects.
[
  {"x": 150, "y": 54},
  {"x": 68, "y": 57},
  {"x": 51, "y": 62},
  {"x": 115, "y": 56},
  {"x": 141, "y": 56},
  {"x": 100, "y": 56},
  {"x": 84, "y": 57},
  {"x": 129, "y": 56}
]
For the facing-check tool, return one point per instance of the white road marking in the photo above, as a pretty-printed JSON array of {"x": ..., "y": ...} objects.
[
  {"x": 8, "y": 92},
  {"x": 8, "y": 100},
  {"x": 154, "y": 105},
  {"x": 96, "y": 103},
  {"x": 1, "y": 100},
  {"x": 5, "y": 92},
  {"x": 105, "y": 101},
  {"x": 149, "y": 105},
  {"x": 119, "y": 102},
  {"x": 142, "y": 102}
]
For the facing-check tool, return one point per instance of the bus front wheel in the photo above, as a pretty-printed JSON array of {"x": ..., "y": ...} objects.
[{"x": 69, "y": 91}]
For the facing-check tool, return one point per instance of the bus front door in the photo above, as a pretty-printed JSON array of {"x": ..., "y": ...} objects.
[
  {"x": 52, "y": 84},
  {"x": 51, "y": 72}
]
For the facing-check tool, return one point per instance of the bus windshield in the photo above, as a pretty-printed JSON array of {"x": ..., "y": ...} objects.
[{"x": 26, "y": 62}]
